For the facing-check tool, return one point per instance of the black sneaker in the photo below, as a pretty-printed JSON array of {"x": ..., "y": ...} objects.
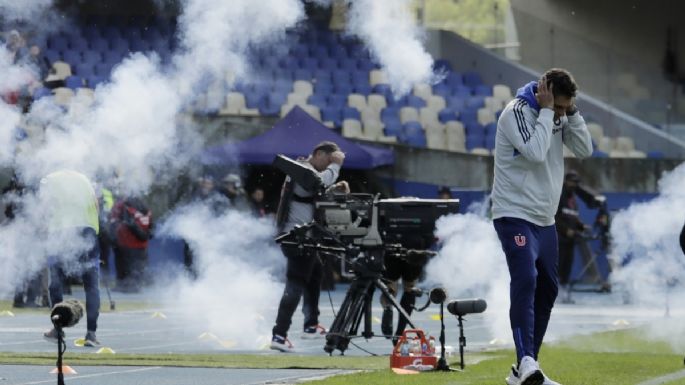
[
  {"x": 281, "y": 344},
  {"x": 91, "y": 340}
]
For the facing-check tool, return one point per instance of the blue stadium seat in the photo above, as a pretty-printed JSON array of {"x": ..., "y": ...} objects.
[
  {"x": 90, "y": 32},
  {"x": 140, "y": 45},
  {"x": 92, "y": 57},
  {"x": 349, "y": 65},
  {"x": 299, "y": 50},
  {"x": 58, "y": 43},
  {"x": 475, "y": 102},
  {"x": 337, "y": 100},
  {"x": 456, "y": 103},
  {"x": 472, "y": 79},
  {"x": 52, "y": 55},
  {"x": 112, "y": 57},
  {"x": 473, "y": 141},
  {"x": 360, "y": 77},
  {"x": 302, "y": 74},
  {"x": 318, "y": 100},
  {"x": 323, "y": 75},
  {"x": 468, "y": 116},
  {"x": 276, "y": 98},
  {"x": 447, "y": 115},
  {"x": 482, "y": 90},
  {"x": 119, "y": 45},
  {"x": 319, "y": 51},
  {"x": 366, "y": 65},
  {"x": 267, "y": 108},
  {"x": 71, "y": 57},
  {"x": 474, "y": 128},
  {"x": 309, "y": 63},
  {"x": 412, "y": 134},
  {"x": 328, "y": 64},
  {"x": 74, "y": 82},
  {"x": 332, "y": 114},
  {"x": 94, "y": 81},
  {"x": 363, "y": 89},
  {"x": 393, "y": 127},
  {"x": 351, "y": 113},
  {"x": 390, "y": 113},
  {"x": 83, "y": 70},
  {"x": 651, "y": 154},
  {"x": 442, "y": 65},
  {"x": 337, "y": 51},
  {"x": 441, "y": 89},
  {"x": 323, "y": 87},
  {"x": 415, "y": 101},
  {"x": 383, "y": 89},
  {"x": 281, "y": 86},
  {"x": 288, "y": 62},
  {"x": 490, "y": 129},
  {"x": 103, "y": 69},
  {"x": 41, "y": 92},
  {"x": 340, "y": 77},
  {"x": 99, "y": 44},
  {"x": 461, "y": 91},
  {"x": 78, "y": 44},
  {"x": 111, "y": 32},
  {"x": 490, "y": 142},
  {"x": 253, "y": 98},
  {"x": 343, "y": 88},
  {"x": 454, "y": 79},
  {"x": 599, "y": 154}
]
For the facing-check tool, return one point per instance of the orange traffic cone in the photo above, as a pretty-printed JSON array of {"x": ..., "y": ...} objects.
[{"x": 66, "y": 369}]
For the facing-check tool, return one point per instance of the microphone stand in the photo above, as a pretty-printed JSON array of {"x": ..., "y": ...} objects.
[
  {"x": 462, "y": 341},
  {"x": 61, "y": 348},
  {"x": 442, "y": 362}
]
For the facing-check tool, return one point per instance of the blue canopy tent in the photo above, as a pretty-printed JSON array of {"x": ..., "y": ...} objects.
[{"x": 295, "y": 135}]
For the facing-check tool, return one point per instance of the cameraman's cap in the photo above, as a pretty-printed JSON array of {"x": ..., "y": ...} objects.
[
  {"x": 572, "y": 176},
  {"x": 232, "y": 178}
]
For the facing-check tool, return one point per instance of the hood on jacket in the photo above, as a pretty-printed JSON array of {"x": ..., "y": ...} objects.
[{"x": 527, "y": 93}]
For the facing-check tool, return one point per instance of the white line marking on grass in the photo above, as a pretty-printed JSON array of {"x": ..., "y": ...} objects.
[
  {"x": 300, "y": 378},
  {"x": 664, "y": 379},
  {"x": 78, "y": 377}
]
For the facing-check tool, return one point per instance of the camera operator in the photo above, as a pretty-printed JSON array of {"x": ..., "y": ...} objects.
[
  {"x": 304, "y": 267},
  {"x": 569, "y": 226},
  {"x": 409, "y": 270}
]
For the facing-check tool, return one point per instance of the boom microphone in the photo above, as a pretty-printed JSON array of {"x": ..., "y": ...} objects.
[
  {"x": 467, "y": 306},
  {"x": 438, "y": 295},
  {"x": 66, "y": 314}
]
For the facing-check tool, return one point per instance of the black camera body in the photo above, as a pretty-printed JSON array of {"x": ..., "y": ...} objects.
[{"x": 363, "y": 222}]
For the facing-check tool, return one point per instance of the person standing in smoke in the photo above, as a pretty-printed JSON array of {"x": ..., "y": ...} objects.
[
  {"x": 132, "y": 223},
  {"x": 529, "y": 171},
  {"x": 304, "y": 267},
  {"x": 72, "y": 228},
  {"x": 568, "y": 226},
  {"x": 232, "y": 188}
]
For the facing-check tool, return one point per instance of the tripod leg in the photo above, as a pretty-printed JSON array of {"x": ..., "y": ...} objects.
[
  {"x": 349, "y": 316},
  {"x": 407, "y": 302},
  {"x": 384, "y": 290}
]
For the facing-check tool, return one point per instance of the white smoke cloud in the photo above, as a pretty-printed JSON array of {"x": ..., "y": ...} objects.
[
  {"x": 471, "y": 263},
  {"x": 389, "y": 31},
  {"x": 236, "y": 258},
  {"x": 23, "y": 10},
  {"x": 647, "y": 234}
]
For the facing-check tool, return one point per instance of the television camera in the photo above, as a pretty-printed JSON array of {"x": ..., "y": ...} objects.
[{"x": 362, "y": 230}]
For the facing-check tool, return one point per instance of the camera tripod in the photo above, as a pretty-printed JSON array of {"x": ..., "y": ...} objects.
[{"x": 356, "y": 306}]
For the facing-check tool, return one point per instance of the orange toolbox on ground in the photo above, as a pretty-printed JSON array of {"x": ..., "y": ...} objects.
[{"x": 413, "y": 349}]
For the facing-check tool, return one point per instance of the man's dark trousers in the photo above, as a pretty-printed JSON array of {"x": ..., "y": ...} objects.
[
  {"x": 303, "y": 279},
  {"x": 532, "y": 257}
]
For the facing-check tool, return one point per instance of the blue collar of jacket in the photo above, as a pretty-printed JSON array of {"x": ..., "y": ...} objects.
[{"x": 527, "y": 93}]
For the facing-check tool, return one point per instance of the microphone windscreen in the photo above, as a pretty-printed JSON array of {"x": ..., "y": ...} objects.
[
  {"x": 438, "y": 295},
  {"x": 467, "y": 306}
]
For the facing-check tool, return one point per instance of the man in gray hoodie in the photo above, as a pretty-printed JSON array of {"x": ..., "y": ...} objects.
[{"x": 529, "y": 172}]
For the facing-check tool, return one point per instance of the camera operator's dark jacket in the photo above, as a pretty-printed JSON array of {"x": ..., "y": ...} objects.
[{"x": 567, "y": 216}]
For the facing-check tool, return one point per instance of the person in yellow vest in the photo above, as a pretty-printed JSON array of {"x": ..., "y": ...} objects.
[{"x": 71, "y": 206}]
